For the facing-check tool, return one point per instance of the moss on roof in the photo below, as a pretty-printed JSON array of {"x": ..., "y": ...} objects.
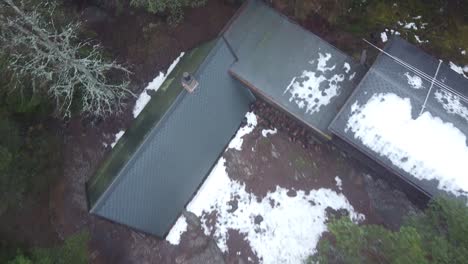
[{"x": 150, "y": 116}]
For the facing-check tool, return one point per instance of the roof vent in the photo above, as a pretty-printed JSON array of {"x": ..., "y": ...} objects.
[{"x": 188, "y": 82}]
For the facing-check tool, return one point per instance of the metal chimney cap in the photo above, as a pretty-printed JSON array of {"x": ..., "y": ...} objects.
[{"x": 186, "y": 76}]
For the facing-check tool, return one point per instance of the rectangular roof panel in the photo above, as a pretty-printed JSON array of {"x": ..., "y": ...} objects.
[
  {"x": 152, "y": 189},
  {"x": 291, "y": 67},
  {"x": 410, "y": 114}
]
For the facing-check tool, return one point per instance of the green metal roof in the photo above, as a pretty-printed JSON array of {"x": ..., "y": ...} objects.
[
  {"x": 162, "y": 173},
  {"x": 150, "y": 116},
  {"x": 277, "y": 58}
]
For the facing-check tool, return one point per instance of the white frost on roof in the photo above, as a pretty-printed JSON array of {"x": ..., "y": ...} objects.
[
  {"x": 177, "y": 230},
  {"x": 451, "y": 103},
  {"x": 384, "y": 37},
  {"x": 322, "y": 63},
  {"x": 312, "y": 89},
  {"x": 154, "y": 85},
  {"x": 425, "y": 147},
  {"x": 266, "y": 132},
  {"x": 414, "y": 81},
  {"x": 339, "y": 183},
  {"x": 117, "y": 138},
  {"x": 459, "y": 69},
  {"x": 236, "y": 142},
  {"x": 347, "y": 67},
  {"x": 280, "y": 228}
]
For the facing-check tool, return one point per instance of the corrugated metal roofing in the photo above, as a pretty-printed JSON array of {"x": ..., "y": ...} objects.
[
  {"x": 387, "y": 76},
  {"x": 162, "y": 175},
  {"x": 277, "y": 58}
]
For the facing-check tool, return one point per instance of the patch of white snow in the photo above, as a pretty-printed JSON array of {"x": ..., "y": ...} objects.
[
  {"x": 322, "y": 62},
  {"x": 419, "y": 39},
  {"x": 414, "y": 81},
  {"x": 236, "y": 142},
  {"x": 117, "y": 138},
  {"x": 347, "y": 67},
  {"x": 177, "y": 230},
  {"x": 411, "y": 25},
  {"x": 339, "y": 183},
  {"x": 458, "y": 69},
  {"x": 384, "y": 37},
  {"x": 312, "y": 89},
  {"x": 425, "y": 147},
  {"x": 463, "y": 52},
  {"x": 266, "y": 132},
  {"x": 154, "y": 85},
  {"x": 451, "y": 103},
  {"x": 287, "y": 228}
]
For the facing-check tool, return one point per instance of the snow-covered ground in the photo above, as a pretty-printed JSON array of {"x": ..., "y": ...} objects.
[
  {"x": 154, "y": 85},
  {"x": 425, "y": 147},
  {"x": 236, "y": 142},
  {"x": 312, "y": 90},
  {"x": 177, "y": 230},
  {"x": 266, "y": 132},
  {"x": 280, "y": 227},
  {"x": 118, "y": 135}
]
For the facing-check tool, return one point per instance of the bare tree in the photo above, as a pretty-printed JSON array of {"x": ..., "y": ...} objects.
[{"x": 53, "y": 58}]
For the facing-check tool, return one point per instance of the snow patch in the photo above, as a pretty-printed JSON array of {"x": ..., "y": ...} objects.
[
  {"x": 177, "y": 230},
  {"x": 236, "y": 142},
  {"x": 312, "y": 90},
  {"x": 425, "y": 147},
  {"x": 384, "y": 37},
  {"x": 459, "y": 69},
  {"x": 463, "y": 52},
  {"x": 322, "y": 63},
  {"x": 339, "y": 183},
  {"x": 266, "y": 132},
  {"x": 117, "y": 138},
  {"x": 414, "y": 81},
  {"x": 347, "y": 67},
  {"x": 144, "y": 97},
  {"x": 419, "y": 39},
  {"x": 392, "y": 32},
  {"x": 410, "y": 25},
  {"x": 451, "y": 103},
  {"x": 278, "y": 227}
]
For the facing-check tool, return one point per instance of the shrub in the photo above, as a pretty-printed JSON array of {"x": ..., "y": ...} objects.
[
  {"x": 173, "y": 7},
  {"x": 439, "y": 235}
]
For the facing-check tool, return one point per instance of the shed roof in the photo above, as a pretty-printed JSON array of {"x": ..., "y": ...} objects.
[
  {"x": 151, "y": 190},
  {"x": 412, "y": 119},
  {"x": 291, "y": 67}
]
